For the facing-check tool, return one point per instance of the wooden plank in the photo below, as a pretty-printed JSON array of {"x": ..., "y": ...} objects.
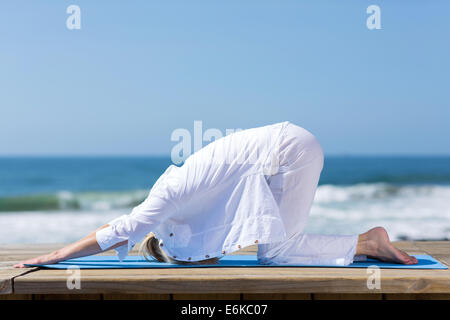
[
  {"x": 253, "y": 249},
  {"x": 67, "y": 297},
  {"x": 250, "y": 282},
  {"x": 205, "y": 296},
  {"x": 347, "y": 296},
  {"x": 136, "y": 297},
  {"x": 236, "y": 280},
  {"x": 419, "y": 296},
  {"x": 443, "y": 258},
  {"x": 434, "y": 247},
  {"x": 11, "y": 254},
  {"x": 276, "y": 296},
  {"x": 40, "y": 247},
  {"x": 16, "y": 296},
  {"x": 7, "y": 274}
]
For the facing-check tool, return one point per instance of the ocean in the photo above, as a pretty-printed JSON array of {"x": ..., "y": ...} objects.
[{"x": 61, "y": 199}]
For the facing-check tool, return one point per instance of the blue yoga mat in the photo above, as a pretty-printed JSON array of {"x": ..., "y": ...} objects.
[{"x": 138, "y": 262}]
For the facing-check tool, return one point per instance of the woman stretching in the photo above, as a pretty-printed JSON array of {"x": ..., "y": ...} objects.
[{"x": 254, "y": 186}]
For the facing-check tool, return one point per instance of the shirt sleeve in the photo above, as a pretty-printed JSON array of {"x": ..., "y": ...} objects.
[
  {"x": 143, "y": 219},
  {"x": 360, "y": 257}
]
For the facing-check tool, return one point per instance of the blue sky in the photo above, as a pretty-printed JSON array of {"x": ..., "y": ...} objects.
[{"x": 137, "y": 70}]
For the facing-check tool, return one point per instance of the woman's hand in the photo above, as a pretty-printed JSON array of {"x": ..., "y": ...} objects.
[
  {"x": 84, "y": 247},
  {"x": 49, "y": 258}
]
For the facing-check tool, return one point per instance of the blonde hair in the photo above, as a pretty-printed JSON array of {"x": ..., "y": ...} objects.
[{"x": 151, "y": 247}]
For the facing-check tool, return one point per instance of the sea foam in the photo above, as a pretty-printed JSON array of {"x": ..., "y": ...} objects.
[{"x": 406, "y": 211}]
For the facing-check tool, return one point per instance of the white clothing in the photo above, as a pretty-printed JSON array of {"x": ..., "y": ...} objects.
[{"x": 252, "y": 186}]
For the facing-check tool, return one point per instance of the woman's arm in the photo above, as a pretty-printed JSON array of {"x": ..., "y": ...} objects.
[
  {"x": 83, "y": 247},
  {"x": 128, "y": 229}
]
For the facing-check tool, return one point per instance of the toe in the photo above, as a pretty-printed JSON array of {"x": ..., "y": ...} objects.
[
  {"x": 412, "y": 260},
  {"x": 404, "y": 257}
]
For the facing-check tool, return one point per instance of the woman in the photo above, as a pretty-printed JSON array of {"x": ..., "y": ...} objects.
[{"x": 254, "y": 186}]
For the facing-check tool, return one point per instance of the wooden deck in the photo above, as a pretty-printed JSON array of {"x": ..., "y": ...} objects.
[{"x": 223, "y": 283}]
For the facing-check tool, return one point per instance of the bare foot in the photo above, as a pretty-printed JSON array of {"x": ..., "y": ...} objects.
[{"x": 375, "y": 243}]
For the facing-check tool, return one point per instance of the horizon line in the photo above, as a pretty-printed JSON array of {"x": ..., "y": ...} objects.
[{"x": 81, "y": 155}]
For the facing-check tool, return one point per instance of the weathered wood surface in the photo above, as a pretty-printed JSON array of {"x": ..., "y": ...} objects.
[
  {"x": 10, "y": 255},
  {"x": 234, "y": 280},
  {"x": 232, "y": 283},
  {"x": 6, "y": 279}
]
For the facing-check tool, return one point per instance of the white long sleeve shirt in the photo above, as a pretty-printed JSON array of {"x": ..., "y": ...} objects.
[{"x": 216, "y": 203}]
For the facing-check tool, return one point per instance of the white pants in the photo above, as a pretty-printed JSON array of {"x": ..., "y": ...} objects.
[{"x": 294, "y": 187}]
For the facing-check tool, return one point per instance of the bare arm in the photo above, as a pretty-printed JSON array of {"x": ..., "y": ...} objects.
[
  {"x": 84, "y": 247},
  {"x": 136, "y": 225}
]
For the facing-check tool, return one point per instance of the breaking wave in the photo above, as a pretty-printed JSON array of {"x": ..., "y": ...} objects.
[
  {"x": 65, "y": 200},
  {"x": 408, "y": 212},
  {"x": 419, "y": 212}
]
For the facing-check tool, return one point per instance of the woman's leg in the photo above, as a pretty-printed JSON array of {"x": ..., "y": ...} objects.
[
  {"x": 313, "y": 249},
  {"x": 294, "y": 187},
  {"x": 336, "y": 250}
]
